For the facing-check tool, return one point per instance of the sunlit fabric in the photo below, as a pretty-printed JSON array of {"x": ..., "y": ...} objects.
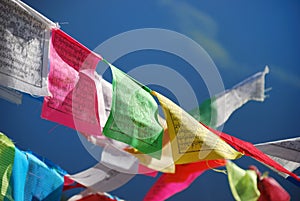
[
  {"x": 164, "y": 164},
  {"x": 249, "y": 149},
  {"x": 169, "y": 184},
  {"x": 217, "y": 110},
  {"x": 42, "y": 182},
  {"x": 227, "y": 102},
  {"x": 191, "y": 141},
  {"x": 285, "y": 152},
  {"x": 119, "y": 160},
  {"x": 270, "y": 189},
  {"x": 133, "y": 116},
  {"x": 7, "y": 154},
  {"x": 73, "y": 101},
  {"x": 243, "y": 183},
  {"x": 19, "y": 174},
  {"x": 24, "y": 39},
  {"x": 100, "y": 178}
]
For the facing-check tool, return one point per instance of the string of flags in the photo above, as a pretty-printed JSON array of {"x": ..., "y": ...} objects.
[{"x": 39, "y": 59}]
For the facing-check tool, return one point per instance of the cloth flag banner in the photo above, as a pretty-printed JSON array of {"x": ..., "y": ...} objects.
[
  {"x": 249, "y": 149},
  {"x": 73, "y": 101},
  {"x": 7, "y": 154},
  {"x": 251, "y": 88},
  {"x": 24, "y": 45},
  {"x": 285, "y": 152},
  {"x": 19, "y": 174},
  {"x": 104, "y": 94},
  {"x": 169, "y": 184},
  {"x": 101, "y": 178},
  {"x": 216, "y": 111},
  {"x": 243, "y": 183},
  {"x": 133, "y": 117},
  {"x": 42, "y": 182},
  {"x": 11, "y": 95},
  {"x": 190, "y": 141},
  {"x": 25, "y": 177},
  {"x": 270, "y": 189},
  {"x": 164, "y": 164},
  {"x": 119, "y": 160}
]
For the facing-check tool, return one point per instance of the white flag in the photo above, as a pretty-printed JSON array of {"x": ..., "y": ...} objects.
[
  {"x": 216, "y": 111},
  {"x": 11, "y": 95},
  {"x": 285, "y": 152},
  {"x": 24, "y": 44},
  {"x": 101, "y": 178}
]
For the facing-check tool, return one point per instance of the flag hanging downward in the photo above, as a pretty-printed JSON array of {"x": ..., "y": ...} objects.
[{"x": 243, "y": 183}]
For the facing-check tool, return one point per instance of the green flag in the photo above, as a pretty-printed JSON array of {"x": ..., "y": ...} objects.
[
  {"x": 243, "y": 183},
  {"x": 7, "y": 155},
  {"x": 133, "y": 117}
]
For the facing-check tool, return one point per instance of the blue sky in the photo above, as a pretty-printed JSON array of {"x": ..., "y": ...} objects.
[{"x": 240, "y": 36}]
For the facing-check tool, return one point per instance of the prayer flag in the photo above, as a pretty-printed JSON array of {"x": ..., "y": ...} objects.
[
  {"x": 243, "y": 183},
  {"x": 169, "y": 184},
  {"x": 104, "y": 94},
  {"x": 133, "y": 117},
  {"x": 191, "y": 141},
  {"x": 101, "y": 178},
  {"x": 270, "y": 189},
  {"x": 288, "y": 149},
  {"x": 73, "y": 101},
  {"x": 19, "y": 173},
  {"x": 285, "y": 152},
  {"x": 11, "y": 95},
  {"x": 164, "y": 164},
  {"x": 119, "y": 160},
  {"x": 7, "y": 154},
  {"x": 42, "y": 182},
  {"x": 24, "y": 45},
  {"x": 216, "y": 111},
  {"x": 249, "y": 149},
  {"x": 251, "y": 88}
]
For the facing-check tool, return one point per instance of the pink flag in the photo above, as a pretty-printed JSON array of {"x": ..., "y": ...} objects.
[
  {"x": 73, "y": 100},
  {"x": 169, "y": 184}
]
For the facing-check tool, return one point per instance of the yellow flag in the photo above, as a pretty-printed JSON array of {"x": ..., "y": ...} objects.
[{"x": 191, "y": 141}]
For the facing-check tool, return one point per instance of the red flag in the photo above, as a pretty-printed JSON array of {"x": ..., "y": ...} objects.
[
  {"x": 270, "y": 189},
  {"x": 250, "y": 150}
]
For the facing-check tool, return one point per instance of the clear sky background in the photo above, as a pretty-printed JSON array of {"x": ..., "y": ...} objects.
[{"x": 240, "y": 36}]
